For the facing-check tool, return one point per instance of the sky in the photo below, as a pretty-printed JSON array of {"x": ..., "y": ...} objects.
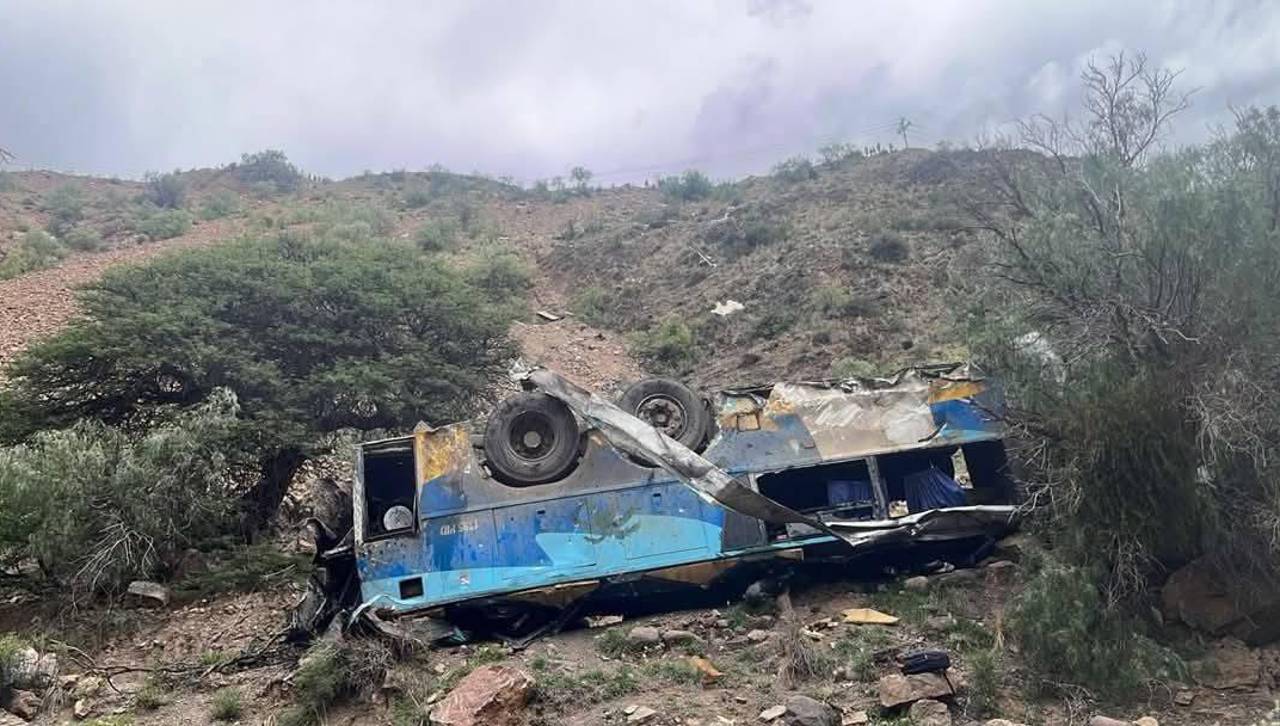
[{"x": 530, "y": 88}]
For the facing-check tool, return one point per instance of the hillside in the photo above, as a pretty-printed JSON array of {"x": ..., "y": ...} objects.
[{"x": 863, "y": 264}]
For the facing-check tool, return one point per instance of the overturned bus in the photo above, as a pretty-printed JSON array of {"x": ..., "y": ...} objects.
[{"x": 561, "y": 498}]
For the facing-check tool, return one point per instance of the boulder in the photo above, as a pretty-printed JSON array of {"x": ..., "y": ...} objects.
[
  {"x": 641, "y": 714},
  {"x": 82, "y": 708},
  {"x": 805, "y": 711},
  {"x": 679, "y": 637},
  {"x": 959, "y": 578},
  {"x": 491, "y": 695},
  {"x": 1001, "y": 572},
  {"x": 23, "y": 704},
  {"x": 857, "y": 718},
  {"x": 33, "y": 671},
  {"x": 1197, "y": 595},
  {"x": 1229, "y": 664},
  {"x": 919, "y": 583},
  {"x": 644, "y": 635},
  {"x": 928, "y": 712},
  {"x": 1017, "y": 546},
  {"x": 146, "y": 591},
  {"x": 899, "y": 690},
  {"x": 1146, "y": 721},
  {"x": 758, "y": 636}
]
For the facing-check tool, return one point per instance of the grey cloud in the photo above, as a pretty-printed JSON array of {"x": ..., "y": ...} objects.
[{"x": 529, "y": 89}]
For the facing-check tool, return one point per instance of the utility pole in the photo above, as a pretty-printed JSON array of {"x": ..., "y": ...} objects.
[{"x": 903, "y": 125}]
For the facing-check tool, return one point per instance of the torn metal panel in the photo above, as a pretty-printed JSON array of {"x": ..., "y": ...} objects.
[{"x": 642, "y": 440}]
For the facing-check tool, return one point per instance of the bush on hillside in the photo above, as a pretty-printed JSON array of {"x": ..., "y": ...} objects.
[
  {"x": 313, "y": 335},
  {"x": 687, "y": 187},
  {"x": 269, "y": 167},
  {"x": 889, "y": 248},
  {"x": 795, "y": 169},
  {"x": 65, "y": 206},
  {"x": 669, "y": 346},
  {"x": 35, "y": 251},
  {"x": 83, "y": 239},
  {"x": 222, "y": 203},
  {"x": 836, "y": 152},
  {"x": 167, "y": 191},
  {"x": 95, "y": 507},
  {"x": 439, "y": 235},
  {"x": 158, "y": 224},
  {"x": 1156, "y": 329}
]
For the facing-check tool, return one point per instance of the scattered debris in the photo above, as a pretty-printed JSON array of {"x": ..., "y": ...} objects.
[
  {"x": 728, "y": 307},
  {"x": 899, "y": 690},
  {"x": 773, "y": 712},
  {"x": 148, "y": 591},
  {"x": 602, "y": 621},
  {"x": 867, "y": 616},
  {"x": 927, "y": 712},
  {"x": 491, "y": 695},
  {"x": 705, "y": 667},
  {"x": 549, "y": 316},
  {"x": 640, "y": 714}
]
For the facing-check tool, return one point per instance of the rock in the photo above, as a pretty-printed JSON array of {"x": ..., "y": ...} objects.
[
  {"x": 86, "y": 686},
  {"x": 899, "y": 690},
  {"x": 1184, "y": 698},
  {"x": 758, "y": 636},
  {"x": 857, "y": 718},
  {"x": 1197, "y": 595},
  {"x": 1001, "y": 572},
  {"x": 1001, "y": 722},
  {"x": 82, "y": 708},
  {"x": 1229, "y": 664},
  {"x": 1146, "y": 721},
  {"x": 939, "y": 623},
  {"x": 641, "y": 714},
  {"x": 1104, "y": 721},
  {"x": 491, "y": 695},
  {"x": 32, "y": 671},
  {"x": 805, "y": 711},
  {"x": 8, "y": 719},
  {"x": 772, "y": 712},
  {"x": 150, "y": 592},
  {"x": 22, "y": 703},
  {"x": 679, "y": 637},
  {"x": 919, "y": 583},
  {"x": 958, "y": 578},
  {"x": 928, "y": 712},
  {"x": 1017, "y": 546},
  {"x": 644, "y": 635}
]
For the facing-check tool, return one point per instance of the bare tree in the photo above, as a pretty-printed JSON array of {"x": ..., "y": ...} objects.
[{"x": 5, "y": 156}]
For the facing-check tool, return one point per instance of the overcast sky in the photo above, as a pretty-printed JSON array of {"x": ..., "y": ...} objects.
[{"x": 529, "y": 88}]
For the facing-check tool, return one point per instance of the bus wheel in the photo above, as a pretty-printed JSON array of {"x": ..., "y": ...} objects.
[{"x": 531, "y": 438}]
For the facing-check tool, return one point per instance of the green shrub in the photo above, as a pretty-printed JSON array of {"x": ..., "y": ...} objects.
[
  {"x": 439, "y": 235},
  {"x": 774, "y": 322},
  {"x": 7, "y": 184},
  {"x": 330, "y": 672},
  {"x": 11, "y": 648},
  {"x": 243, "y": 568},
  {"x": 164, "y": 223},
  {"x": 167, "y": 191},
  {"x": 669, "y": 345},
  {"x": 889, "y": 248},
  {"x": 270, "y": 167},
  {"x": 95, "y": 507},
  {"x": 598, "y": 307},
  {"x": 83, "y": 239},
  {"x": 836, "y": 152},
  {"x": 226, "y": 705},
  {"x": 319, "y": 335},
  {"x": 65, "y": 206},
  {"x": 985, "y": 679},
  {"x": 743, "y": 236},
  {"x": 222, "y": 203},
  {"x": 504, "y": 277},
  {"x": 418, "y": 195},
  {"x": 687, "y": 187},
  {"x": 795, "y": 169},
  {"x": 35, "y": 251},
  {"x": 1067, "y": 634}
]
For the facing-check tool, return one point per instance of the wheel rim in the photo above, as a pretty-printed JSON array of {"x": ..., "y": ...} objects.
[
  {"x": 665, "y": 414},
  {"x": 531, "y": 436}
]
